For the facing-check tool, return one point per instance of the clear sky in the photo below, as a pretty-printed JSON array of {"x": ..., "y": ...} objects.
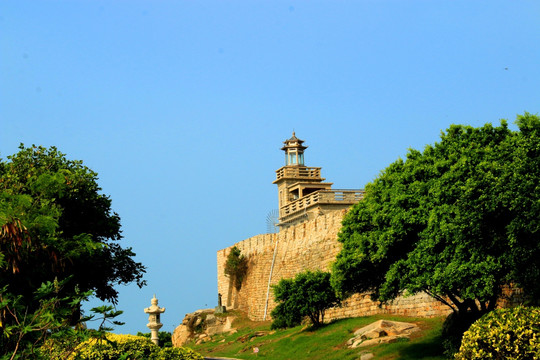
[{"x": 182, "y": 106}]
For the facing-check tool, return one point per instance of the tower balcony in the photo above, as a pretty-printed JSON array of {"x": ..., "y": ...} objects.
[
  {"x": 300, "y": 209},
  {"x": 298, "y": 172}
]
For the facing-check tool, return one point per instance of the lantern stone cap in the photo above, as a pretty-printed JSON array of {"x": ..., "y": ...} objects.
[{"x": 154, "y": 308}]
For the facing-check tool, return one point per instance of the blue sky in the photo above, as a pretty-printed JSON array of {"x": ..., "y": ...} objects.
[{"x": 182, "y": 106}]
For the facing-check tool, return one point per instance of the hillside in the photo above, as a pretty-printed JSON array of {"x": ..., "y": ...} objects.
[{"x": 327, "y": 342}]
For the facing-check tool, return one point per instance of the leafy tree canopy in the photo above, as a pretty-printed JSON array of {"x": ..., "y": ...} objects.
[
  {"x": 55, "y": 223},
  {"x": 309, "y": 294},
  {"x": 457, "y": 220}
]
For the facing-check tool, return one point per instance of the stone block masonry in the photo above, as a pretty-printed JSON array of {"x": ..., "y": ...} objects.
[{"x": 310, "y": 245}]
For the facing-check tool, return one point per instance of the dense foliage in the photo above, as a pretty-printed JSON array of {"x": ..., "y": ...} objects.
[
  {"x": 129, "y": 347},
  {"x": 54, "y": 217},
  {"x": 55, "y": 225},
  {"x": 164, "y": 337},
  {"x": 458, "y": 221},
  {"x": 25, "y": 330},
  {"x": 510, "y": 334},
  {"x": 236, "y": 267},
  {"x": 44, "y": 334},
  {"x": 176, "y": 353},
  {"x": 309, "y": 294}
]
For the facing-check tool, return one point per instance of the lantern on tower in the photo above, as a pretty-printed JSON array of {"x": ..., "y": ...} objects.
[{"x": 294, "y": 151}]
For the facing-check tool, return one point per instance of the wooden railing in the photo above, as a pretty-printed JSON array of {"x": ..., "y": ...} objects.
[
  {"x": 331, "y": 196},
  {"x": 322, "y": 197},
  {"x": 298, "y": 172}
]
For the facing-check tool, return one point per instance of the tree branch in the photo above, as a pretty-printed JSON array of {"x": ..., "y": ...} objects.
[
  {"x": 441, "y": 299},
  {"x": 460, "y": 305}
]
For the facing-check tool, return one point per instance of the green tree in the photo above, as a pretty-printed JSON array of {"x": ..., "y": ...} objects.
[
  {"x": 236, "y": 267},
  {"x": 55, "y": 225},
  {"x": 309, "y": 294},
  {"x": 57, "y": 206},
  {"x": 287, "y": 311},
  {"x": 457, "y": 221}
]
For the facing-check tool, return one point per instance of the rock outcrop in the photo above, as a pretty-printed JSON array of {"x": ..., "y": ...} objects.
[
  {"x": 200, "y": 326},
  {"x": 382, "y": 331}
]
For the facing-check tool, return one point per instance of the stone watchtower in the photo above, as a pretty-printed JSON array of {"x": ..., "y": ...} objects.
[{"x": 301, "y": 191}]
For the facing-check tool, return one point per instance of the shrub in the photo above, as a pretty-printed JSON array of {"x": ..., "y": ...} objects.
[
  {"x": 129, "y": 347},
  {"x": 177, "y": 353},
  {"x": 62, "y": 346},
  {"x": 309, "y": 294},
  {"x": 287, "y": 312},
  {"x": 163, "y": 336},
  {"x": 503, "y": 334},
  {"x": 236, "y": 267},
  {"x": 114, "y": 346}
]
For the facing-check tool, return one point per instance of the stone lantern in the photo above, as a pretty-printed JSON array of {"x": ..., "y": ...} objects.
[{"x": 154, "y": 323}]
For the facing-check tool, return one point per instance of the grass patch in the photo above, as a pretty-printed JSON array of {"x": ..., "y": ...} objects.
[{"x": 325, "y": 343}]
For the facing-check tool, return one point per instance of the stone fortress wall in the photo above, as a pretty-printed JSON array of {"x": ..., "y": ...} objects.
[{"x": 310, "y": 245}]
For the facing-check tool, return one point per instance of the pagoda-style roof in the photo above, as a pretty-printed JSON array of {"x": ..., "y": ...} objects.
[{"x": 293, "y": 142}]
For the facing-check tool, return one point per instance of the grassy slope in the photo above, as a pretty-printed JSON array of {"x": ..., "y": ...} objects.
[{"x": 328, "y": 342}]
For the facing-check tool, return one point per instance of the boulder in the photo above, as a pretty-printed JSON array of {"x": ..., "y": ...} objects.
[
  {"x": 210, "y": 319},
  {"x": 382, "y": 331},
  {"x": 181, "y": 335},
  {"x": 200, "y": 325}
]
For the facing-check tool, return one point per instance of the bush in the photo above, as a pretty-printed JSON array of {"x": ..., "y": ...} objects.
[
  {"x": 114, "y": 346},
  {"x": 503, "y": 334},
  {"x": 177, "y": 353},
  {"x": 309, "y": 294},
  {"x": 62, "y": 346},
  {"x": 287, "y": 312},
  {"x": 163, "y": 336},
  {"x": 129, "y": 347},
  {"x": 236, "y": 266}
]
